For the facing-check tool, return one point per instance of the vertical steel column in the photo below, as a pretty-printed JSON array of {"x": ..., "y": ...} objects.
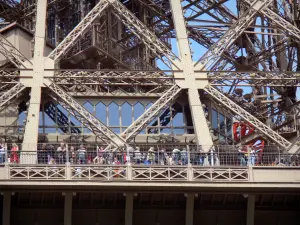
[
  {"x": 201, "y": 128},
  {"x": 6, "y": 208},
  {"x": 189, "y": 211},
  {"x": 250, "y": 210},
  {"x": 129, "y": 208},
  {"x": 32, "y": 125},
  {"x": 68, "y": 208}
]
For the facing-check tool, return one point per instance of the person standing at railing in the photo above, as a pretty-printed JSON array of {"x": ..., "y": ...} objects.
[
  {"x": 137, "y": 156},
  {"x": 129, "y": 154},
  {"x": 176, "y": 156},
  {"x": 61, "y": 153},
  {"x": 2, "y": 152},
  {"x": 50, "y": 152},
  {"x": 162, "y": 157},
  {"x": 184, "y": 157},
  {"x": 14, "y": 153},
  {"x": 253, "y": 156},
  {"x": 72, "y": 155},
  {"x": 243, "y": 156},
  {"x": 99, "y": 159},
  {"x": 81, "y": 154},
  {"x": 151, "y": 156}
]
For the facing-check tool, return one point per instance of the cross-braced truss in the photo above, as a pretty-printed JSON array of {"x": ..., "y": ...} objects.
[
  {"x": 255, "y": 51},
  {"x": 84, "y": 116},
  {"x": 10, "y": 52}
]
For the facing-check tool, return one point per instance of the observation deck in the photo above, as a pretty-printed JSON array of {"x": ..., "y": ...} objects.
[
  {"x": 143, "y": 166},
  {"x": 127, "y": 186}
]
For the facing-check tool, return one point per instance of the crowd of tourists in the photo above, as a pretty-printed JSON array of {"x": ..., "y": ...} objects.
[{"x": 148, "y": 155}]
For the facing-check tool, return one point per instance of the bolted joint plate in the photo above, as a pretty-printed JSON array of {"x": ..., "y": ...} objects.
[
  {"x": 191, "y": 80},
  {"x": 36, "y": 77}
]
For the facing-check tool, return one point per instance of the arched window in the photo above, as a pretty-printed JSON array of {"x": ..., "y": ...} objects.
[
  {"x": 113, "y": 117},
  {"x": 138, "y": 110},
  {"x": 89, "y": 107},
  {"x": 101, "y": 112},
  {"x": 126, "y": 113}
]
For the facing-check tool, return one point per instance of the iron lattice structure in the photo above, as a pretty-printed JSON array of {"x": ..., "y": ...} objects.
[{"x": 234, "y": 62}]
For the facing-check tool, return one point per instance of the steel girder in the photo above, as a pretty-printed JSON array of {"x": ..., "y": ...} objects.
[
  {"x": 231, "y": 35},
  {"x": 214, "y": 54},
  {"x": 160, "y": 105},
  {"x": 8, "y": 77},
  {"x": 78, "y": 31},
  {"x": 9, "y": 95},
  {"x": 129, "y": 19},
  {"x": 12, "y": 54},
  {"x": 62, "y": 120},
  {"x": 217, "y": 95},
  {"x": 84, "y": 116},
  {"x": 286, "y": 26},
  {"x": 143, "y": 33},
  {"x": 258, "y": 78},
  {"x": 10, "y": 10},
  {"x": 268, "y": 52},
  {"x": 215, "y": 6},
  {"x": 115, "y": 77}
]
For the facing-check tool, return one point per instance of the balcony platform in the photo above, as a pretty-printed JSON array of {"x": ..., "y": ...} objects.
[{"x": 177, "y": 178}]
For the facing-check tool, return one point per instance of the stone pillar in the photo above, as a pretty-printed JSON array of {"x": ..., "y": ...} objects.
[
  {"x": 6, "y": 208},
  {"x": 250, "y": 210},
  {"x": 189, "y": 211},
  {"x": 129, "y": 208},
  {"x": 68, "y": 208}
]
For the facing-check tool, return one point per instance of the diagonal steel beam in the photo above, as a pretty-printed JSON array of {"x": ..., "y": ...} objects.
[
  {"x": 159, "y": 106},
  {"x": 217, "y": 95},
  {"x": 12, "y": 93},
  {"x": 12, "y": 54},
  {"x": 286, "y": 26},
  {"x": 84, "y": 116},
  {"x": 62, "y": 120},
  {"x": 231, "y": 35},
  {"x": 77, "y": 32},
  {"x": 78, "y": 117},
  {"x": 143, "y": 33}
]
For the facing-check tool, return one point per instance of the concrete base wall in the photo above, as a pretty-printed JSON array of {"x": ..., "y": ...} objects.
[
  {"x": 267, "y": 217},
  {"x": 37, "y": 216},
  {"x": 158, "y": 217},
  {"x": 98, "y": 216}
]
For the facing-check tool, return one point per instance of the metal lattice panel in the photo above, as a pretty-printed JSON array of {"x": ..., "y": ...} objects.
[
  {"x": 10, "y": 52},
  {"x": 9, "y": 95},
  {"x": 140, "y": 30},
  {"x": 62, "y": 120},
  {"x": 217, "y": 95},
  {"x": 85, "y": 116},
  {"x": 160, "y": 105},
  {"x": 231, "y": 35},
  {"x": 70, "y": 40}
]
